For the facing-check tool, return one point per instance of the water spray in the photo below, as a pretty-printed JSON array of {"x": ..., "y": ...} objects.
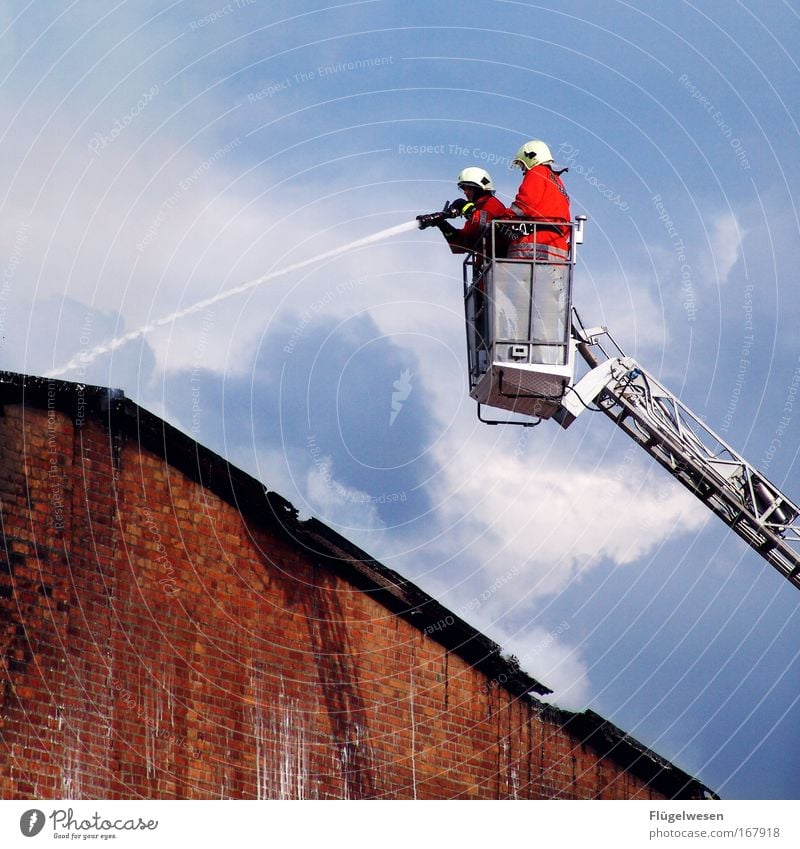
[{"x": 84, "y": 359}]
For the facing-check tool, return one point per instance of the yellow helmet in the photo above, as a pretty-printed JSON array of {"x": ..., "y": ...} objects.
[{"x": 531, "y": 154}]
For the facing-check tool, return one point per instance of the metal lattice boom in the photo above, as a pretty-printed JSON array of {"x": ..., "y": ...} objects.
[{"x": 700, "y": 459}]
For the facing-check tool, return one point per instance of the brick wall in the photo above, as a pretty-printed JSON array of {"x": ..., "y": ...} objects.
[{"x": 166, "y": 635}]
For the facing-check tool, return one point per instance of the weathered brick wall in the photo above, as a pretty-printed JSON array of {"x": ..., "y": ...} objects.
[{"x": 157, "y": 644}]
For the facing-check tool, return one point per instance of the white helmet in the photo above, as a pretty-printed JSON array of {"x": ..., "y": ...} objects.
[
  {"x": 531, "y": 154},
  {"x": 476, "y": 177}
]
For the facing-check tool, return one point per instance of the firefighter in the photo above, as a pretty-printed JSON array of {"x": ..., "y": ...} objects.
[
  {"x": 541, "y": 197},
  {"x": 480, "y": 208}
]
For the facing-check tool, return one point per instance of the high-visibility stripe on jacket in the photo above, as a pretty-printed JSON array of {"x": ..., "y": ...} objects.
[{"x": 522, "y": 249}]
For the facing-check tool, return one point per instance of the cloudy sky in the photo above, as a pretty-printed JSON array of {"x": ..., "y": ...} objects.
[{"x": 156, "y": 155}]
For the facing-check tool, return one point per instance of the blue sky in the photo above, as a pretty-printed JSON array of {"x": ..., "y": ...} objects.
[{"x": 158, "y": 154}]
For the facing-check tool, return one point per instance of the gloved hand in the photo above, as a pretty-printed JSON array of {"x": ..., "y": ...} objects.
[{"x": 462, "y": 206}]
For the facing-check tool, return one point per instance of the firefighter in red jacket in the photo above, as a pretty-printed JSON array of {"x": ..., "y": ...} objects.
[
  {"x": 480, "y": 208},
  {"x": 541, "y": 197}
]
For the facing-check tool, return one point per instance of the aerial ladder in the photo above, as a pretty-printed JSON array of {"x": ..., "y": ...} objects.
[{"x": 523, "y": 339}]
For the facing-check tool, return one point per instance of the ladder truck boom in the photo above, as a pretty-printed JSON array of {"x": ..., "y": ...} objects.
[
  {"x": 688, "y": 449},
  {"x": 523, "y": 337}
]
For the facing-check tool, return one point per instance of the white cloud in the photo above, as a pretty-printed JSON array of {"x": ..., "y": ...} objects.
[
  {"x": 554, "y": 515},
  {"x": 726, "y": 236},
  {"x": 550, "y": 658},
  {"x": 344, "y": 507}
]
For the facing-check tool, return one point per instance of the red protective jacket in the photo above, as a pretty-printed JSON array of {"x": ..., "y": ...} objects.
[
  {"x": 542, "y": 196},
  {"x": 468, "y": 238}
]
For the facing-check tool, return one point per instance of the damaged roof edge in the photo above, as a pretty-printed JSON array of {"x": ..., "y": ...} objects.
[
  {"x": 610, "y": 741},
  {"x": 120, "y": 415}
]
